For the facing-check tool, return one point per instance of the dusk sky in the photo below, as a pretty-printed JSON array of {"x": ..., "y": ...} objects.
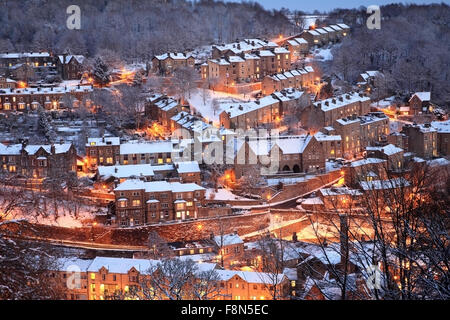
[{"x": 326, "y": 5}]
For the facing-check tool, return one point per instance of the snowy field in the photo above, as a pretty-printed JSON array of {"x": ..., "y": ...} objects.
[
  {"x": 60, "y": 213},
  {"x": 323, "y": 54},
  {"x": 223, "y": 194},
  {"x": 203, "y": 101}
]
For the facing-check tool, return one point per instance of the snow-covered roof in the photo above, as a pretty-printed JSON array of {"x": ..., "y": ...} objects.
[
  {"x": 373, "y": 73},
  {"x": 325, "y": 137},
  {"x": 336, "y": 27},
  {"x": 46, "y": 90},
  {"x": 79, "y": 58},
  {"x": 174, "y": 56},
  {"x": 266, "y": 53},
  {"x": 246, "y": 45},
  {"x": 126, "y": 171},
  {"x": 313, "y": 32},
  {"x": 235, "y": 59},
  {"x": 227, "y": 239},
  {"x": 343, "y": 26},
  {"x": 295, "y": 72},
  {"x": 367, "y": 161},
  {"x": 384, "y": 184},
  {"x": 281, "y": 50},
  {"x": 70, "y": 264},
  {"x": 251, "y": 56},
  {"x": 441, "y": 126},
  {"x": 121, "y": 265},
  {"x": 221, "y": 61},
  {"x": 335, "y": 102},
  {"x": 190, "y": 122},
  {"x": 104, "y": 141},
  {"x": 166, "y": 104},
  {"x": 337, "y": 191},
  {"x": 187, "y": 167},
  {"x": 154, "y": 97},
  {"x": 237, "y": 109},
  {"x": 346, "y": 121},
  {"x": 15, "y": 55},
  {"x": 388, "y": 150},
  {"x": 423, "y": 96},
  {"x": 251, "y": 277},
  {"x": 301, "y": 41},
  {"x": 157, "y": 186},
  {"x": 16, "y": 149},
  {"x": 290, "y": 273},
  {"x": 438, "y": 162},
  {"x": 321, "y": 31},
  {"x": 293, "y": 42},
  {"x": 287, "y": 144},
  {"x": 147, "y": 147}
]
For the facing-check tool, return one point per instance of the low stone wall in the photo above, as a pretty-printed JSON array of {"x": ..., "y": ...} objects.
[
  {"x": 178, "y": 231},
  {"x": 290, "y": 191},
  {"x": 235, "y": 202},
  {"x": 206, "y": 212}
]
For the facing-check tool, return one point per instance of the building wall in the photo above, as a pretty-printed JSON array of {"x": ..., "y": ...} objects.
[
  {"x": 422, "y": 143},
  {"x": 41, "y": 164},
  {"x": 102, "y": 155},
  {"x": 165, "y": 208}
]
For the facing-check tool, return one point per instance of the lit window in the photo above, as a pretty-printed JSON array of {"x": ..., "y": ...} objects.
[{"x": 136, "y": 203}]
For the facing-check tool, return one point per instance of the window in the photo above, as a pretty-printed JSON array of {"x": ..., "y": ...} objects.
[
  {"x": 92, "y": 276},
  {"x": 136, "y": 203},
  {"x": 123, "y": 203}
]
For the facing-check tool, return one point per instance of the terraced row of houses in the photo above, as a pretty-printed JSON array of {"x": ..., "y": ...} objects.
[
  {"x": 49, "y": 97},
  {"x": 103, "y": 277},
  {"x": 69, "y": 67}
]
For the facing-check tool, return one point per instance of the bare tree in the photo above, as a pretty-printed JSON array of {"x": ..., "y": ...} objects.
[
  {"x": 158, "y": 247},
  {"x": 403, "y": 232},
  {"x": 272, "y": 264}
]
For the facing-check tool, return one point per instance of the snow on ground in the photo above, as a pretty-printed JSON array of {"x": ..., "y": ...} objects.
[
  {"x": 223, "y": 194},
  {"x": 384, "y": 103},
  {"x": 292, "y": 180},
  {"x": 202, "y": 54},
  {"x": 397, "y": 125},
  {"x": 332, "y": 166},
  {"x": 202, "y": 101},
  {"x": 69, "y": 214},
  {"x": 70, "y": 83},
  {"x": 323, "y": 54}
]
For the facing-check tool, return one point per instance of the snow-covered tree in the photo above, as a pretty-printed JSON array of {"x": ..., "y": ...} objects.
[{"x": 101, "y": 72}]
